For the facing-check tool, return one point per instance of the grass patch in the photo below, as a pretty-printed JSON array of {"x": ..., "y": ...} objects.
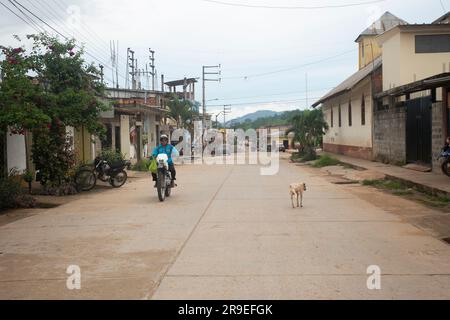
[
  {"x": 400, "y": 189},
  {"x": 298, "y": 157},
  {"x": 386, "y": 184},
  {"x": 326, "y": 161}
]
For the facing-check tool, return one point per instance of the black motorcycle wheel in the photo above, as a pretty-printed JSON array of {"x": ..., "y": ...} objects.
[
  {"x": 161, "y": 186},
  {"x": 168, "y": 191},
  {"x": 445, "y": 167},
  {"x": 119, "y": 179},
  {"x": 85, "y": 180}
]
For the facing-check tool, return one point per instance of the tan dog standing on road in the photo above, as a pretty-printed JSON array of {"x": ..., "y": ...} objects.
[{"x": 296, "y": 190}]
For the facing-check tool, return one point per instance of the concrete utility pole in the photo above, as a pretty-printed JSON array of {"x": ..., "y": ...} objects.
[
  {"x": 226, "y": 110},
  {"x": 101, "y": 72},
  {"x": 205, "y": 74},
  {"x": 133, "y": 67},
  {"x": 152, "y": 66}
]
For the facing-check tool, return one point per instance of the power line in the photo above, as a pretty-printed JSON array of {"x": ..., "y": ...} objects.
[
  {"x": 443, "y": 7},
  {"x": 36, "y": 26},
  {"x": 290, "y": 68},
  {"x": 275, "y": 94},
  {"x": 266, "y": 102},
  {"x": 58, "y": 32},
  {"x": 21, "y": 18},
  {"x": 234, "y": 4},
  {"x": 51, "y": 16}
]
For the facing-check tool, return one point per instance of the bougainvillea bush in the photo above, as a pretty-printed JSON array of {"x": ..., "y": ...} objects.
[{"x": 44, "y": 90}]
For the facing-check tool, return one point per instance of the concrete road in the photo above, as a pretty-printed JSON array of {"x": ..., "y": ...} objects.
[{"x": 226, "y": 233}]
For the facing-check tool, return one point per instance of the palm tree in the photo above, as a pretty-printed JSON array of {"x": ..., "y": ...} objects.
[
  {"x": 182, "y": 111},
  {"x": 308, "y": 128}
]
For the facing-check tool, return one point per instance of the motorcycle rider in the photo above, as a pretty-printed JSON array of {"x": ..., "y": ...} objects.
[
  {"x": 169, "y": 150},
  {"x": 446, "y": 147}
]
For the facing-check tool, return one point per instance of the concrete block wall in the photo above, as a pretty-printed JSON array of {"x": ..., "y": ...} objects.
[
  {"x": 389, "y": 145},
  {"x": 437, "y": 134}
]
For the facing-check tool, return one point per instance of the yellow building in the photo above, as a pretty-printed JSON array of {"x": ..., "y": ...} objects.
[
  {"x": 348, "y": 107},
  {"x": 369, "y": 48}
]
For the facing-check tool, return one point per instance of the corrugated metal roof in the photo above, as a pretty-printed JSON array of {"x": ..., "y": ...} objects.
[{"x": 351, "y": 81}]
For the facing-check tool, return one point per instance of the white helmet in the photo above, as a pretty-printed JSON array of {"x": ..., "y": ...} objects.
[{"x": 164, "y": 136}]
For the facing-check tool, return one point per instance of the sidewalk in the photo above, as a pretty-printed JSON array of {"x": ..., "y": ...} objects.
[{"x": 435, "y": 183}]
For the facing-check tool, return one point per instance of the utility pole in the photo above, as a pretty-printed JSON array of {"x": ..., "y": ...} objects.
[
  {"x": 132, "y": 66},
  {"x": 101, "y": 72},
  {"x": 112, "y": 48},
  {"x": 306, "y": 84},
  {"x": 205, "y": 79},
  {"x": 226, "y": 110},
  {"x": 117, "y": 65},
  {"x": 152, "y": 66}
]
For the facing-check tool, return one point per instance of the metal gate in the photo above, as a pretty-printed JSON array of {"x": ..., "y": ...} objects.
[{"x": 418, "y": 130}]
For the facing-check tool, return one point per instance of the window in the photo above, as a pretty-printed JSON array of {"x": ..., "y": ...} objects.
[
  {"x": 350, "y": 113},
  {"x": 363, "y": 110},
  {"x": 332, "y": 118},
  {"x": 340, "y": 116},
  {"x": 433, "y": 43}
]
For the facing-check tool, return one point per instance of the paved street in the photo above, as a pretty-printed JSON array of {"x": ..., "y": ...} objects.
[{"x": 226, "y": 233}]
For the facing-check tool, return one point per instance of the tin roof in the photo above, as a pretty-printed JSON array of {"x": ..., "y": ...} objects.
[
  {"x": 386, "y": 22},
  {"x": 351, "y": 81}
]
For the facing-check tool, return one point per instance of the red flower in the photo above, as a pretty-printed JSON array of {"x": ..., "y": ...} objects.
[{"x": 17, "y": 50}]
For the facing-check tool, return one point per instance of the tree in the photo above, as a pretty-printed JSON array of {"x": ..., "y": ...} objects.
[
  {"x": 44, "y": 91},
  {"x": 182, "y": 111},
  {"x": 308, "y": 128}
]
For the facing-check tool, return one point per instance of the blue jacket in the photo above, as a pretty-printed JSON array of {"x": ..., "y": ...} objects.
[{"x": 168, "y": 149}]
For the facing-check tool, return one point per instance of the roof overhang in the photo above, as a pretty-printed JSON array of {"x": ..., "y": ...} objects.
[
  {"x": 181, "y": 82},
  {"x": 440, "y": 80}
]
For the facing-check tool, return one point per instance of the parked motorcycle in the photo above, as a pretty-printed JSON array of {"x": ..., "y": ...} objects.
[
  {"x": 164, "y": 178},
  {"x": 114, "y": 173},
  {"x": 446, "y": 163}
]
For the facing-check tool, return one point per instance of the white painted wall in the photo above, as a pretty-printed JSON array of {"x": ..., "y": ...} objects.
[
  {"x": 357, "y": 135},
  {"x": 401, "y": 65},
  {"x": 125, "y": 136},
  {"x": 16, "y": 152}
]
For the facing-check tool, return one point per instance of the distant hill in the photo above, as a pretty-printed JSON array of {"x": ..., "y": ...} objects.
[
  {"x": 252, "y": 117},
  {"x": 277, "y": 119}
]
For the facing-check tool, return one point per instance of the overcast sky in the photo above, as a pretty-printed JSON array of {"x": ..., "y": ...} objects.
[{"x": 265, "y": 53}]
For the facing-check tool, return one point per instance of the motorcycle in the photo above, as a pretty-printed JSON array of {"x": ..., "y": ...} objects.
[
  {"x": 114, "y": 173},
  {"x": 446, "y": 163},
  {"x": 164, "y": 177}
]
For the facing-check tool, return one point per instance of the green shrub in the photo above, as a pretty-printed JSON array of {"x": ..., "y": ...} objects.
[
  {"x": 326, "y": 161},
  {"x": 142, "y": 165},
  {"x": 112, "y": 156},
  {"x": 10, "y": 190}
]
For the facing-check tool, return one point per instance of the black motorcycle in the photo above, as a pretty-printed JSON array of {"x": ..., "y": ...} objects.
[
  {"x": 114, "y": 173},
  {"x": 446, "y": 163}
]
